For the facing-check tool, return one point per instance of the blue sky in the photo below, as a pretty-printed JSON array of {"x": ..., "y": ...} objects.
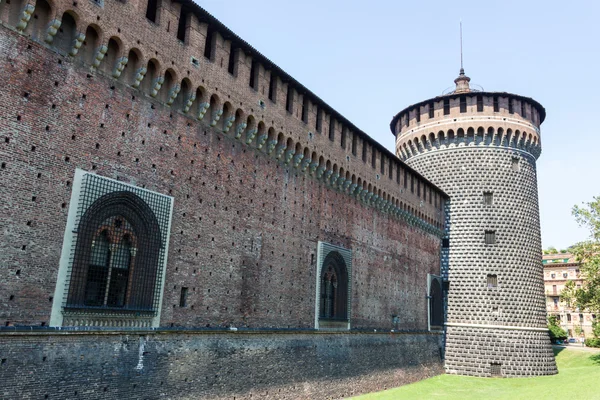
[{"x": 369, "y": 60}]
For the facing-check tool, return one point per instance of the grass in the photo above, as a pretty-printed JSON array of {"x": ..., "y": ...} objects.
[{"x": 578, "y": 379}]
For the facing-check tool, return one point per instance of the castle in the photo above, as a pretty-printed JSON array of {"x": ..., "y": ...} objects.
[{"x": 183, "y": 219}]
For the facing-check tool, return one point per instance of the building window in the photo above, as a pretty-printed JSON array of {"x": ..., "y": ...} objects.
[
  {"x": 334, "y": 286},
  {"x": 418, "y": 113},
  {"x": 289, "y": 101},
  {"x": 431, "y": 110},
  {"x": 231, "y": 67},
  {"x": 305, "y": 106},
  {"x": 565, "y": 274},
  {"x": 446, "y": 106},
  {"x": 492, "y": 280},
  {"x": 515, "y": 164},
  {"x": 343, "y": 138},
  {"x": 273, "y": 88},
  {"x": 373, "y": 157},
  {"x": 523, "y": 110},
  {"x": 354, "y": 143},
  {"x": 554, "y": 290},
  {"x": 436, "y": 302},
  {"x": 183, "y": 297},
  {"x": 555, "y": 299},
  {"x": 445, "y": 243},
  {"x": 319, "y": 121},
  {"x": 116, "y": 238},
  {"x": 488, "y": 198},
  {"x": 568, "y": 317},
  {"x": 208, "y": 44},
  {"x": 463, "y": 104},
  {"x": 479, "y": 103},
  {"x": 151, "y": 10},
  {"x": 490, "y": 237},
  {"x": 552, "y": 275},
  {"x": 581, "y": 318},
  {"x": 332, "y": 128},
  {"x": 364, "y": 150},
  {"x": 254, "y": 75},
  {"x": 511, "y": 108},
  {"x": 496, "y": 104},
  {"x": 183, "y": 24}
]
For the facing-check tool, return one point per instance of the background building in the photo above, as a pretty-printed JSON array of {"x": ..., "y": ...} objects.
[{"x": 558, "y": 270}]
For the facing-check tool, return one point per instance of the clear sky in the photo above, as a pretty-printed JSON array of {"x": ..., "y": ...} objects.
[{"x": 370, "y": 59}]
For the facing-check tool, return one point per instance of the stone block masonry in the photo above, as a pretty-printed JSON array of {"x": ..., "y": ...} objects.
[{"x": 212, "y": 365}]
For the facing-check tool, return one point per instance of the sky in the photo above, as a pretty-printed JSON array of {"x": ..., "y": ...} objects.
[{"x": 370, "y": 59}]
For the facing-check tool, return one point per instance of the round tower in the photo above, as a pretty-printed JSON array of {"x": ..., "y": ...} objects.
[{"x": 481, "y": 149}]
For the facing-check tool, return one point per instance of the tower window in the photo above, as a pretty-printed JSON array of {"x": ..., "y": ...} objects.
[
  {"x": 445, "y": 243},
  {"x": 151, "y": 10},
  {"x": 354, "y": 143},
  {"x": 463, "y": 104},
  {"x": 496, "y": 104},
  {"x": 289, "y": 101},
  {"x": 208, "y": 44},
  {"x": 407, "y": 118},
  {"x": 511, "y": 106},
  {"x": 254, "y": 75},
  {"x": 273, "y": 88},
  {"x": 446, "y": 106},
  {"x": 479, "y": 103},
  {"x": 343, "y": 137},
  {"x": 418, "y": 113},
  {"x": 305, "y": 109},
  {"x": 523, "y": 110},
  {"x": 431, "y": 110},
  {"x": 492, "y": 280},
  {"x": 382, "y": 164},
  {"x": 436, "y": 302},
  {"x": 364, "y": 150},
  {"x": 515, "y": 164},
  {"x": 373, "y": 157},
  {"x": 183, "y": 23},
  {"x": 331, "y": 128},
  {"x": 231, "y": 67},
  {"x": 319, "y": 122},
  {"x": 405, "y": 179},
  {"x": 412, "y": 183},
  {"x": 490, "y": 237},
  {"x": 488, "y": 198}
]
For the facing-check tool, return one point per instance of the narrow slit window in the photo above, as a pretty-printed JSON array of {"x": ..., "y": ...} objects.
[
  {"x": 446, "y": 106},
  {"x": 232, "y": 61},
  {"x": 289, "y": 101},
  {"x": 418, "y": 114},
  {"x": 412, "y": 183},
  {"x": 254, "y": 75},
  {"x": 273, "y": 88},
  {"x": 398, "y": 174},
  {"x": 373, "y": 157},
  {"x": 463, "y": 104},
  {"x": 405, "y": 179},
  {"x": 511, "y": 106},
  {"x": 183, "y": 24},
  {"x": 515, "y": 164},
  {"x": 305, "y": 109},
  {"x": 488, "y": 198},
  {"x": 151, "y": 10},
  {"x": 208, "y": 44},
  {"x": 479, "y": 103},
  {"x": 431, "y": 110},
  {"x": 364, "y": 150},
  {"x": 492, "y": 280},
  {"x": 523, "y": 110},
  {"x": 331, "y": 128},
  {"x": 343, "y": 137},
  {"x": 354, "y": 143},
  {"x": 490, "y": 237},
  {"x": 496, "y": 104},
  {"x": 382, "y": 166},
  {"x": 183, "y": 297},
  {"x": 319, "y": 122}
]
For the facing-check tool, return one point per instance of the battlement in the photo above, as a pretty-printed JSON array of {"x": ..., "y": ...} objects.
[
  {"x": 180, "y": 55},
  {"x": 466, "y": 119}
]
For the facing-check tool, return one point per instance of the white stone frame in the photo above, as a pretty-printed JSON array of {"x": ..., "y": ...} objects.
[
  {"x": 323, "y": 250},
  {"x": 60, "y": 291}
]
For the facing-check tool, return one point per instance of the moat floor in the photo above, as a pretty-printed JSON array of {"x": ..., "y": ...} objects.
[{"x": 577, "y": 379}]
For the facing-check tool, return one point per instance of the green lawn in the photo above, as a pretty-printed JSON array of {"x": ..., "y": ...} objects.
[{"x": 578, "y": 379}]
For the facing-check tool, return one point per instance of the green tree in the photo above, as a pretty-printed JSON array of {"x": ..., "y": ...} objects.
[
  {"x": 551, "y": 250},
  {"x": 556, "y": 332},
  {"x": 588, "y": 255}
]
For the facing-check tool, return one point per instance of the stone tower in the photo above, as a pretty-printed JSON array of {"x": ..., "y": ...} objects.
[{"x": 481, "y": 149}]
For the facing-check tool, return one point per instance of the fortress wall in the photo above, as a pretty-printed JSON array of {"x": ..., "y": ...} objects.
[
  {"x": 126, "y": 24},
  {"x": 212, "y": 365},
  {"x": 245, "y": 226}
]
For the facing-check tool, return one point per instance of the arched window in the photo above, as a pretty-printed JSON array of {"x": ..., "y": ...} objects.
[
  {"x": 334, "y": 288},
  {"x": 117, "y": 256},
  {"x": 436, "y": 302}
]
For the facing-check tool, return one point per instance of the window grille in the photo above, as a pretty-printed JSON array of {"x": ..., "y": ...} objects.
[
  {"x": 488, "y": 198},
  {"x": 118, "y": 249},
  {"x": 490, "y": 237},
  {"x": 496, "y": 369},
  {"x": 515, "y": 164},
  {"x": 492, "y": 280}
]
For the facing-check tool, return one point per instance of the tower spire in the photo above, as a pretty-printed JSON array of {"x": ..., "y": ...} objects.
[{"x": 462, "y": 82}]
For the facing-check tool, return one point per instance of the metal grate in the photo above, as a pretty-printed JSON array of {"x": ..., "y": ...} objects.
[
  {"x": 492, "y": 281},
  {"x": 118, "y": 248},
  {"x": 490, "y": 237},
  {"x": 488, "y": 198},
  {"x": 496, "y": 369}
]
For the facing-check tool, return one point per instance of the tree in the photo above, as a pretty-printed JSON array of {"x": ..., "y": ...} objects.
[
  {"x": 551, "y": 250},
  {"x": 588, "y": 255},
  {"x": 556, "y": 332}
]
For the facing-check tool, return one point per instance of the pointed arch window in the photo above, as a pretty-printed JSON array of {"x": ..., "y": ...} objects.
[{"x": 334, "y": 288}]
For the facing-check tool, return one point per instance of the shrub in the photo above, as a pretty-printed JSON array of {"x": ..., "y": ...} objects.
[{"x": 593, "y": 342}]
